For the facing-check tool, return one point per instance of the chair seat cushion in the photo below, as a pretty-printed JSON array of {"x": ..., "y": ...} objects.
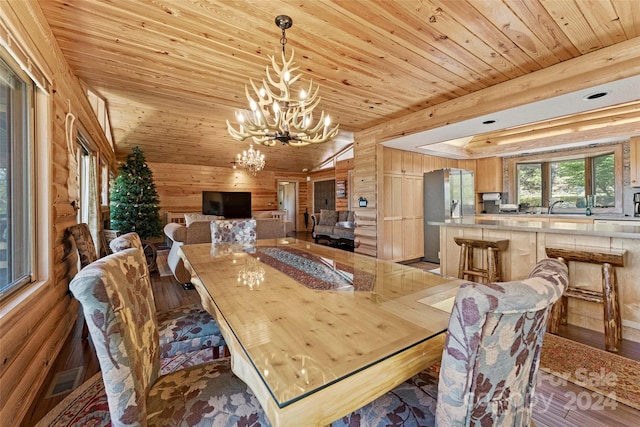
[
  {"x": 412, "y": 403},
  {"x": 186, "y": 329},
  {"x": 203, "y": 395}
]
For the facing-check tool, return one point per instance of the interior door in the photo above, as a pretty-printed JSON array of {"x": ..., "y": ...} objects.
[{"x": 287, "y": 195}]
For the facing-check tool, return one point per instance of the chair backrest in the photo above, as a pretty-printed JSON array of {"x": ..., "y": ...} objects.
[
  {"x": 126, "y": 241},
  {"x": 84, "y": 242},
  {"x": 492, "y": 350},
  {"x": 116, "y": 297},
  {"x": 233, "y": 231}
]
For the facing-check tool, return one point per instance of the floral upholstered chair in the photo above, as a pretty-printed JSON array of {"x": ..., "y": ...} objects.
[
  {"x": 84, "y": 243},
  {"x": 489, "y": 363},
  {"x": 233, "y": 231},
  {"x": 120, "y": 310},
  {"x": 181, "y": 329}
]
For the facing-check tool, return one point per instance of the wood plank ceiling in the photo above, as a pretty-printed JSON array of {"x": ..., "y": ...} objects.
[{"x": 173, "y": 71}]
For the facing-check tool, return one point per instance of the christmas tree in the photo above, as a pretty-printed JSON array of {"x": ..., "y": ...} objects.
[{"x": 134, "y": 199}]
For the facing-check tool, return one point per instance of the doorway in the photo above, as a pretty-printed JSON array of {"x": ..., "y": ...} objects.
[{"x": 288, "y": 201}]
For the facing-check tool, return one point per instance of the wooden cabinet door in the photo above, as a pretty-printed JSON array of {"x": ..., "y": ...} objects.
[
  {"x": 411, "y": 163},
  {"x": 392, "y": 160},
  {"x": 412, "y": 215},
  {"x": 489, "y": 175},
  {"x": 634, "y": 161}
]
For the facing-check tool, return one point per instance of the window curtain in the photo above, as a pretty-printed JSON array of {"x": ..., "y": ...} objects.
[{"x": 93, "y": 202}]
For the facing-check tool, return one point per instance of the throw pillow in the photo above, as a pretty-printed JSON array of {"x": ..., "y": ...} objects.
[{"x": 328, "y": 217}]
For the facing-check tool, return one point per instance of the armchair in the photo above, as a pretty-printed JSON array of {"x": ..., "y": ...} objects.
[{"x": 490, "y": 358}]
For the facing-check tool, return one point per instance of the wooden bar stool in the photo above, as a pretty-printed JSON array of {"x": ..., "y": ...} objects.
[
  {"x": 466, "y": 268},
  {"x": 608, "y": 297}
]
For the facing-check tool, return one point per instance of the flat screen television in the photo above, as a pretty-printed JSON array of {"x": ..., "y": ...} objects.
[{"x": 229, "y": 204}]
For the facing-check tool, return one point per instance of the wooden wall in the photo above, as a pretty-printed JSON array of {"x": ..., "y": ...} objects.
[
  {"x": 35, "y": 321},
  {"x": 180, "y": 187}
]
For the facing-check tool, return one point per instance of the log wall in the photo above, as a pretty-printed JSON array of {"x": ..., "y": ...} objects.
[{"x": 35, "y": 321}]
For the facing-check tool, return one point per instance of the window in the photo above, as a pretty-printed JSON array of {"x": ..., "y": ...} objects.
[
  {"x": 529, "y": 183},
  {"x": 586, "y": 177},
  {"x": 16, "y": 153},
  {"x": 604, "y": 181},
  {"x": 567, "y": 182}
]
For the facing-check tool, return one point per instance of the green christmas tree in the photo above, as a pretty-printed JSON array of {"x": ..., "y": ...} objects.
[{"x": 134, "y": 199}]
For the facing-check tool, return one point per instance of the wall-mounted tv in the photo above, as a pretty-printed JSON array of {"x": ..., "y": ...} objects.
[{"x": 229, "y": 204}]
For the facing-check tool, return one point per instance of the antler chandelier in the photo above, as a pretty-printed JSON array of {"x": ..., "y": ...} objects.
[
  {"x": 251, "y": 160},
  {"x": 276, "y": 115}
]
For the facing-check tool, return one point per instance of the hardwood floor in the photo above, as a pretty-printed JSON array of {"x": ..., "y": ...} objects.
[{"x": 553, "y": 400}]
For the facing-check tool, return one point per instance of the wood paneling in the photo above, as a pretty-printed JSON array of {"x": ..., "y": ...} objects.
[{"x": 172, "y": 74}]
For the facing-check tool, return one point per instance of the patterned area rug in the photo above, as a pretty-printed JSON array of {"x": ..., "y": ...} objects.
[
  {"x": 600, "y": 371},
  {"x": 161, "y": 262},
  {"x": 613, "y": 376},
  {"x": 315, "y": 272},
  {"x": 87, "y": 405}
]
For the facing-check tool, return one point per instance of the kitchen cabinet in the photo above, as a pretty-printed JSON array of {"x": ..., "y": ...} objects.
[
  {"x": 402, "y": 217},
  {"x": 489, "y": 175},
  {"x": 634, "y": 161},
  {"x": 400, "y": 161}
]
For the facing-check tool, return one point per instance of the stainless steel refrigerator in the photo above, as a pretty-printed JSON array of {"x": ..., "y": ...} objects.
[{"x": 448, "y": 193}]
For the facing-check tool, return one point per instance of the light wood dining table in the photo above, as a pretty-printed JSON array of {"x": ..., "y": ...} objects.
[{"x": 317, "y": 332}]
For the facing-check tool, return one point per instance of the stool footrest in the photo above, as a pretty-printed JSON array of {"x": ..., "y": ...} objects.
[{"x": 584, "y": 294}]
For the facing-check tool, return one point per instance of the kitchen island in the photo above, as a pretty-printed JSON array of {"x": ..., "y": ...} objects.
[{"x": 527, "y": 243}]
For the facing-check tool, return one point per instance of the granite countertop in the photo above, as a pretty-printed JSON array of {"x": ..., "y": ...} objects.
[
  {"x": 606, "y": 230},
  {"x": 563, "y": 216}
]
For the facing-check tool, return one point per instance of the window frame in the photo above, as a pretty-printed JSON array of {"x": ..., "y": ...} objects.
[
  {"x": 40, "y": 218},
  {"x": 587, "y": 153}
]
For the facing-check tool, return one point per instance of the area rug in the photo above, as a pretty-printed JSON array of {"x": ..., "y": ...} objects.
[
  {"x": 612, "y": 376},
  {"x": 87, "y": 405},
  {"x": 162, "y": 264}
]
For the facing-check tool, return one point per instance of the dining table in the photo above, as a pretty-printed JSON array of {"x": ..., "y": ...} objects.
[{"x": 317, "y": 332}]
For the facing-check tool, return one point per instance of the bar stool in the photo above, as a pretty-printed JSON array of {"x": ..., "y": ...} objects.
[
  {"x": 466, "y": 268},
  {"x": 608, "y": 297}
]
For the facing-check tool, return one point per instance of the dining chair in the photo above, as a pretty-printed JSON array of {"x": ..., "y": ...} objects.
[
  {"x": 489, "y": 362},
  {"x": 182, "y": 329},
  {"x": 233, "y": 231},
  {"x": 84, "y": 243},
  {"x": 117, "y": 301}
]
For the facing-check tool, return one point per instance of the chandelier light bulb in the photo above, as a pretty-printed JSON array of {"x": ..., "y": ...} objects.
[
  {"x": 253, "y": 105},
  {"x": 240, "y": 116},
  {"x": 262, "y": 92},
  {"x": 303, "y": 94},
  {"x": 276, "y": 107},
  {"x": 327, "y": 121}
]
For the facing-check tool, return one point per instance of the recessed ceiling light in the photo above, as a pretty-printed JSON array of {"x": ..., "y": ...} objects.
[
  {"x": 488, "y": 122},
  {"x": 595, "y": 95}
]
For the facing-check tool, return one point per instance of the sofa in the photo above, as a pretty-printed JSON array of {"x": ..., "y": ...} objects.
[
  {"x": 269, "y": 226},
  {"x": 197, "y": 229},
  {"x": 335, "y": 226}
]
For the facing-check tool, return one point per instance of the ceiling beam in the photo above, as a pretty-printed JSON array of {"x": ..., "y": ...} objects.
[{"x": 605, "y": 65}]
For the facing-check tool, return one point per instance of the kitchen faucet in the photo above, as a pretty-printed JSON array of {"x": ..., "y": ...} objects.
[{"x": 552, "y": 205}]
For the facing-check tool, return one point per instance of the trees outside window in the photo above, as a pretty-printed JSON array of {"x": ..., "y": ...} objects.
[{"x": 570, "y": 180}]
